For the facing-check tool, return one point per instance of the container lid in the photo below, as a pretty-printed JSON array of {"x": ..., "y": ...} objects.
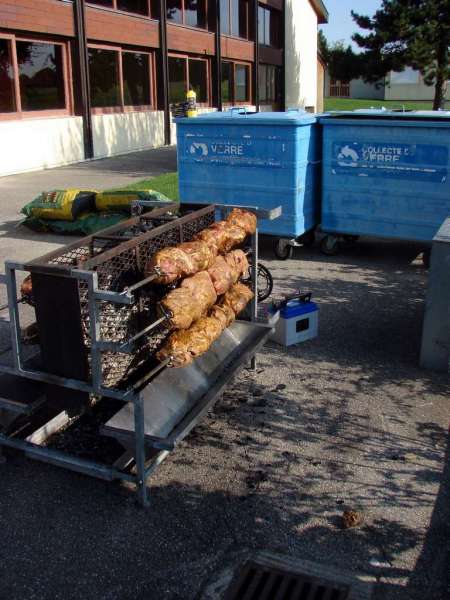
[
  {"x": 383, "y": 113},
  {"x": 294, "y": 308},
  {"x": 240, "y": 116}
]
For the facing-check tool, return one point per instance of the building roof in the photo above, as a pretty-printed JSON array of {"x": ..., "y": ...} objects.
[{"x": 321, "y": 10}]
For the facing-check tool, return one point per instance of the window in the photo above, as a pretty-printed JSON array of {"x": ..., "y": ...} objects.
[
  {"x": 139, "y": 7},
  {"x": 119, "y": 78},
  {"x": 108, "y": 3},
  {"x": 136, "y": 78},
  {"x": 241, "y": 73},
  {"x": 7, "y": 91},
  {"x": 146, "y": 8},
  {"x": 177, "y": 79},
  {"x": 226, "y": 82},
  {"x": 186, "y": 72},
  {"x": 104, "y": 77},
  {"x": 195, "y": 13},
  {"x": 198, "y": 79},
  {"x": 41, "y": 77},
  {"x": 269, "y": 85},
  {"x": 32, "y": 76},
  {"x": 187, "y": 12},
  {"x": 269, "y": 26},
  {"x": 234, "y": 18},
  {"x": 235, "y": 82}
]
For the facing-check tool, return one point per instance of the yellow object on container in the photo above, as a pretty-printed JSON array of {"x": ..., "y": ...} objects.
[
  {"x": 191, "y": 104},
  {"x": 60, "y": 205}
]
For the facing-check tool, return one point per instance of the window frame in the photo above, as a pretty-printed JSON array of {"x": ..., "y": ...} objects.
[
  {"x": 114, "y": 8},
  {"x": 188, "y": 57},
  {"x": 233, "y": 101},
  {"x": 122, "y": 107},
  {"x": 66, "y": 73},
  {"x": 230, "y": 21}
]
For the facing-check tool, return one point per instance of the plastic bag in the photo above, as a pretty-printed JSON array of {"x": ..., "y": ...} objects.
[{"x": 61, "y": 205}]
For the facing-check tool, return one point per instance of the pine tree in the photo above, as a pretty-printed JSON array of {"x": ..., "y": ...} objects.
[
  {"x": 413, "y": 33},
  {"x": 322, "y": 45}
]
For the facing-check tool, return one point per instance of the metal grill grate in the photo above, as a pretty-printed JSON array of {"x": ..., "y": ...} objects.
[{"x": 260, "y": 582}]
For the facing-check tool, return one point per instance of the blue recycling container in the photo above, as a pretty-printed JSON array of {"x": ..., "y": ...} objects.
[
  {"x": 255, "y": 159},
  {"x": 386, "y": 174}
]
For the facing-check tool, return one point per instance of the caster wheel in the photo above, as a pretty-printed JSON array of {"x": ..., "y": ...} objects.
[
  {"x": 282, "y": 249},
  {"x": 307, "y": 239},
  {"x": 426, "y": 256},
  {"x": 329, "y": 245}
]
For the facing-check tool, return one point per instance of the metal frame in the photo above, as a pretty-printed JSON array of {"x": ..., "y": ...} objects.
[{"x": 95, "y": 387}]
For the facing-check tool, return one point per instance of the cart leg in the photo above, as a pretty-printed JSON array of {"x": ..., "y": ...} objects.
[{"x": 140, "y": 451}]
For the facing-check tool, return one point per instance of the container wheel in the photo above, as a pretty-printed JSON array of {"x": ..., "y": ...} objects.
[
  {"x": 307, "y": 239},
  {"x": 282, "y": 249},
  {"x": 329, "y": 245}
]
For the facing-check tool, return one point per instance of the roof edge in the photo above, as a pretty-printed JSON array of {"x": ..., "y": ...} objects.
[{"x": 320, "y": 10}]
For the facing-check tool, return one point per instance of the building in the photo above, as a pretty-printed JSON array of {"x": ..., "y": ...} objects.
[
  {"x": 88, "y": 79},
  {"x": 355, "y": 88},
  {"x": 409, "y": 85}
]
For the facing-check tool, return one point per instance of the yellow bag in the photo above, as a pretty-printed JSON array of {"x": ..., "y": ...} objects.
[
  {"x": 122, "y": 199},
  {"x": 61, "y": 205}
]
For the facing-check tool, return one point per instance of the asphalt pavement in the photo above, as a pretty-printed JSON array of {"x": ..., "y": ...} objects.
[{"x": 345, "y": 421}]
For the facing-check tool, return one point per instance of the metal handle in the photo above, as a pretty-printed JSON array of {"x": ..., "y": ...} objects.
[
  {"x": 297, "y": 296},
  {"x": 239, "y": 110}
]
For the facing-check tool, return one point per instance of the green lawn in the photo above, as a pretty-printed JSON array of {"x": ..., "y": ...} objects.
[
  {"x": 167, "y": 184},
  {"x": 351, "y": 104}
]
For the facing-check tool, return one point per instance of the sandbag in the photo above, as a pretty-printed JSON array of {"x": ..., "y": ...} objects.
[
  {"x": 61, "y": 205},
  {"x": 122, "y": 200}
]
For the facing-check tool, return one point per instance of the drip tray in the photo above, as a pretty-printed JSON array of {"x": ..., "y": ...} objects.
[{"x": 177, "y": 398}]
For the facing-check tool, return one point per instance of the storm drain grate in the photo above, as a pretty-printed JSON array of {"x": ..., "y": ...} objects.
[{"x": 260, "y": 582}]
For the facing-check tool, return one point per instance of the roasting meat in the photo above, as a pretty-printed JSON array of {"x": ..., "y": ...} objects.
[
  {"x": 201, "y": 288},
  {"x": 182, "y": 347},
  {"x": 222, "y": 236},
  {"x": 222, "y": 275},
  {"x": 224, "y": 314},
  {"x": 227, "y": 269},
  {"x": 243, "y": 219},
  {"x": 180, "y": 261},
  {"x": 238, "y": 262},
  {"x": 188, "y": 258},
  {"x": 202, "y": 255},
  {"x": 181, "y": 307},
  {"x": 237, "y": 297},
  {"x": 172, "y": 263},
  {"x": 190, "y": 301}
]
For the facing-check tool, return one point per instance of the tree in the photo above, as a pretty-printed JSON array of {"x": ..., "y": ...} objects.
[
  {"x": 322, "y": 45},
  {"x": 343, "y": 63},
  {"x": 403, "y": 33}
]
